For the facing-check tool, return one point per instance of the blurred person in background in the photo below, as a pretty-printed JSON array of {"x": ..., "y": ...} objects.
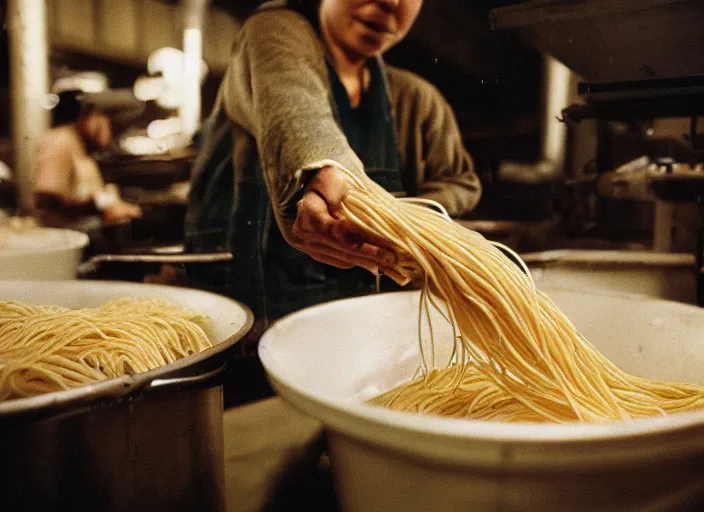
[{"x": 68, "y": 182}]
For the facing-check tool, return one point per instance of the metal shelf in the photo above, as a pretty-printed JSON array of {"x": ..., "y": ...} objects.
[{"x": 641, "y": 109}]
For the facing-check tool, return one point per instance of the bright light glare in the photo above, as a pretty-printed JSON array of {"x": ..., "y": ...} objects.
[
  {"x": 90, "y": 82},
  {"x": 149, "y": 88},
  {"x": 162, "y": 128}
]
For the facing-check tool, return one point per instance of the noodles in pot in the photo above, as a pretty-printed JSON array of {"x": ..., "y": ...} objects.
[
  {"x": 518, "y": 357},
  {"x": 49, "y": 348}
]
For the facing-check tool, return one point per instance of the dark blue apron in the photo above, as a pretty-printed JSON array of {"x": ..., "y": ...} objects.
[
  {"x": 267, "y": 274},
  {"x": 210, "y": 205}
]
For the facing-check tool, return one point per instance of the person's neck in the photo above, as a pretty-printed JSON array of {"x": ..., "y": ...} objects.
[
  {"x": 88, "y": 145},
  {"x": 82, "y": 133},
  {"x": 351, "y": 68}
]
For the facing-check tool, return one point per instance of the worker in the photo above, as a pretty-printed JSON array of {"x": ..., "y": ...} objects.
[
  {"x": 68, "y": 183},
  {"x": 305, "y": 95}
]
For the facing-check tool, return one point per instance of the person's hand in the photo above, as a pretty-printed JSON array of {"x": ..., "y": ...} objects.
[
  {"x": 326, "y": 238},
  {"x": 120, "y": 211}
]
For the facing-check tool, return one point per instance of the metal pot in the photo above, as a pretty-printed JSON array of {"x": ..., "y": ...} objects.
[{"x": 152, "y": 441}]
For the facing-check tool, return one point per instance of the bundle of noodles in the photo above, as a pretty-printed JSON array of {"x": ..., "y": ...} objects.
[
  {"x": 518, "y": 357},
  {"x": 49, "y": 348}
]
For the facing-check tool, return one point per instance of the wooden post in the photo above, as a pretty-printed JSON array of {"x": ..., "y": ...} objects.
[{"x": 29, "y": 85}]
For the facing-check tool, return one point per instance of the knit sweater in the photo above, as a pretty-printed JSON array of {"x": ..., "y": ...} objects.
[{"x": 276, "y": 95}]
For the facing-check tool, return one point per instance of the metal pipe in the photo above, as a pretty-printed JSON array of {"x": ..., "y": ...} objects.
[
  {"x": 556, "y": 94},
  {"x": 29, "y": 85},
  {"x": 190, "y": 110}
]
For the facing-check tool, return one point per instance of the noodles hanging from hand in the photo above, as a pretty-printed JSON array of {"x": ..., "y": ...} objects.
[
  {"x": 49, "y": 348},
  {"x": 518, "y": 357}
]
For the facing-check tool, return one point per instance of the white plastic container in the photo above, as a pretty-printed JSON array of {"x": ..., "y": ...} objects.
[
  {"x": 327, "y": 360},
  {"x": 41, "y": 254}
]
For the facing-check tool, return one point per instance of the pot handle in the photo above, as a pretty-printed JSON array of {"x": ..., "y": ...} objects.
[
  {"x": 206, "y": 380},
  {"x": 203, "y": 380},
  {"x": 184, "y": 258}
]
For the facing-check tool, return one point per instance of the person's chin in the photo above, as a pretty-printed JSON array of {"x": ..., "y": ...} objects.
[
  {"x": 370, "y": 46},
  {"x": 369, "y": 42}
]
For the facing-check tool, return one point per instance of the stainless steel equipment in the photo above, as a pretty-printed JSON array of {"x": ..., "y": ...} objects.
[
  {"x": 613, "y": 40},
  {"x": 151, "y": 441},
  {"x": 641, "y": 61}
]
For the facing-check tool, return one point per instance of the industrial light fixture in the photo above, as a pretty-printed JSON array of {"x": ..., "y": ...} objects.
[
  {"x": 139, "y": 145},
  {"x": 149, "y": 88},
  {"x": 85, "y": 81},
  {"x": 165, "y": 83}
]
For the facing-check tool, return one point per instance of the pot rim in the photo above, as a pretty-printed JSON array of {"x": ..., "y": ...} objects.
[
  {"x": 344, "y": 414},
  {"x": 120, "y": 388},
  {"x": 608, "y": 258}
]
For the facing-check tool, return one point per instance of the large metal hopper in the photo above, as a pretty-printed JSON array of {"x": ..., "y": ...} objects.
[{"x": 613, "y": 40}]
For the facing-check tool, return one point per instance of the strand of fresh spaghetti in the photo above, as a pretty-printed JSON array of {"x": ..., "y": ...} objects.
[
  {"x": 48, "y": 348},
  {"x": 519, "y": 357}
]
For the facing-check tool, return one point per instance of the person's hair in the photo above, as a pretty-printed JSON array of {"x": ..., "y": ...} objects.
[
  {"x": 305, "y": 4},
  {"x": 68, "y": 110}
]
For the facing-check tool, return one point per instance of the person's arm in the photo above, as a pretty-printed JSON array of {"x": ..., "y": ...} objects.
[
  {"x": 432, "y": 144},
  {"x": 277, "y": 89}
]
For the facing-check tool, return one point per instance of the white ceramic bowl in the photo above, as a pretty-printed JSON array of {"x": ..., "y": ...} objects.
[
  {"x": 39, "y": 254},
  {"x": 327, "y": 360}
]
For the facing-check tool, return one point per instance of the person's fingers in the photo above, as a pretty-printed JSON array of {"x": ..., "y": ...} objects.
[
  {"x": 315, "y": 225},
  {"x": 347, "y": 260},
  {"x": 325, "y": 257},
  {"x": 361, "y": 254},
  {"x": 344, "y": 261},
  {"x": 313, "y": 215},
  {"x": 328, "y": 259},
  {"x": 381, "y": 256},
  {"x": 399, "y": 277},
  {"x": 348, "y": 257},
  {"x": 348, "y": 233},
  {"x": 331, "y": 184}
]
